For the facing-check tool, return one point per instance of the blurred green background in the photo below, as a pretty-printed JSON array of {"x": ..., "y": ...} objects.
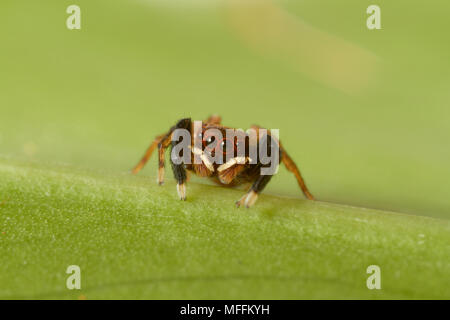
[{"x": 368, "y": 126}]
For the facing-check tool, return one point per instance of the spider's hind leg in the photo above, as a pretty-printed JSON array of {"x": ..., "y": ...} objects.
[
  {"x": 147, "y": 155},
  {"x": 292, "y": 167},
  {"x": 214, "y": 119}
]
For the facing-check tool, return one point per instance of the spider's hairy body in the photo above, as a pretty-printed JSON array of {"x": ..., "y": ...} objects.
[{"x": 227, "y": 161}]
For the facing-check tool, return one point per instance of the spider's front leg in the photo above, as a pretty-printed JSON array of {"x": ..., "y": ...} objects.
[
  {"x": 179, "y": 172},
  {"x": 257, "y": 187},
  {"x": 178, "y": 160},
  {"x": 263, "y": 172}
]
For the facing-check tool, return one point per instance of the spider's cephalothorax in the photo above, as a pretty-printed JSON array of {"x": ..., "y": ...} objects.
[{"x": 228, "y": 156}]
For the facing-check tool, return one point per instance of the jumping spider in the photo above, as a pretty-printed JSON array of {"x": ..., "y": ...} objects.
[{"x": 234, "y": 169}]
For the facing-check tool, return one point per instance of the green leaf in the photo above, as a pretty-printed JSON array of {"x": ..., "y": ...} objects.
[{"x": 134, "y": 239}]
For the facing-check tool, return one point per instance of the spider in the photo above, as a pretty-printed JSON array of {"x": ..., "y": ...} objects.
[{"x": 232, "y": 169}]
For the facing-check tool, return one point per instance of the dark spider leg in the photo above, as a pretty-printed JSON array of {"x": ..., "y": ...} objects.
[
  {"x": 162, "y": 142},
  {"x": 179, "y": 170},
  {"x": 179, "y": 173},
  {"x": 292, "y": 167},
  {"x": 257, "y": 187},
  {"x": 165, "y": 142},
  {"x": 261, "y": 180}
]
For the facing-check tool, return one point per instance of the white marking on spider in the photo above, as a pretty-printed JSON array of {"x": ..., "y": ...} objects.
[
  {"x": 181, "y": 188},
  {"x": 251, "y": 199},
  {"x": 196, "y": 151},
  {"x": 232, "y": 162},
  {"x": 204, "y": 158},
  {"x": 207, "y": 163}
]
